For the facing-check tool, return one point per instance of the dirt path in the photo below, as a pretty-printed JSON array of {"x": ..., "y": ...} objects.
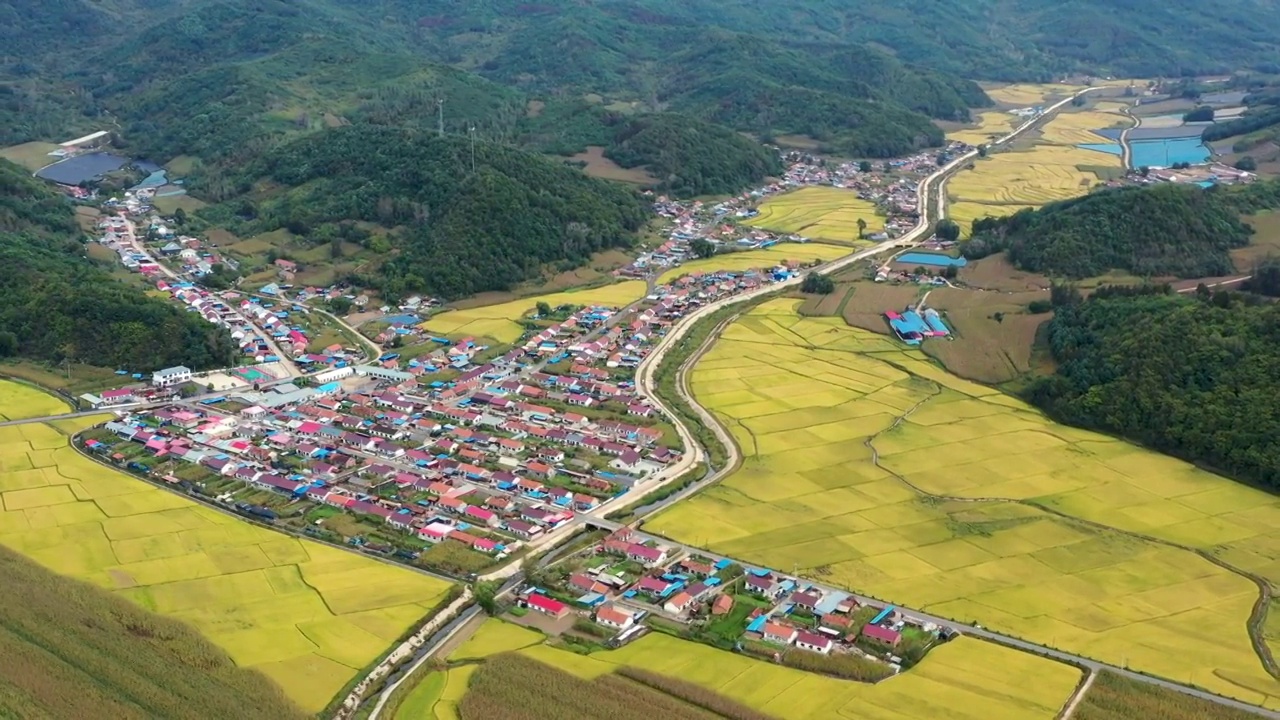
[{"x": 1077, "y": 696}]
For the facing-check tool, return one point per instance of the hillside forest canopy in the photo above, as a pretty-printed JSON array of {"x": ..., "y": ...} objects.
[{"x": 56, "y": 305}]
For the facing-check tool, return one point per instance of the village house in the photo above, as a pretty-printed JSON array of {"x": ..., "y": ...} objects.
[
  {"x": 881, "y": 634},
  {"x": 814, "y": 642},
  {"x": 778, "y": 633},
  {"x": 545, "y": 605},
  {"x": 678, "y": 603},
  {"x": 610, "y": 616}
]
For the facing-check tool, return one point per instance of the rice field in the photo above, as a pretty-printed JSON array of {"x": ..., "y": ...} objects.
[
  {"x": 500, "y": 321},
  {"x": 757, "y": 259},
  {"x": 991, "y": 124},
  {"x": 307, "y": 615},
  {"x": 1052, "y": 169},
  {"x": 1027, "y": 94},
  {"x": 961, "y": 679},
  {"x": 951, "y": 517},
  {"x": 819, "y": 213},
  {"x": 19, "y": 401}
]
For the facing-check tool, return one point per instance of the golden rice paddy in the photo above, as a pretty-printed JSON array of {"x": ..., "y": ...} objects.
[
  {"x": 307, "y": 615},
  {"x": 19, "y": 401},
  {"x": 992, "y": 124},
  {"x": 758, "y": 259},
  {"x": 500, "y": 321},
  {"x": 936, "y": 522},
  {"x": 964, "y": 678},
  {"x": 819, "y": 213},
  {"x": 1027, "y": 94}
]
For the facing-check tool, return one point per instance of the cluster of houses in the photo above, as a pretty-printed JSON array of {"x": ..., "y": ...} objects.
[{"x": 636, "y": 576}]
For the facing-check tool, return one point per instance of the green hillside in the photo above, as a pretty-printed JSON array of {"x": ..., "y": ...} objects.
[
  {"x": 690, "y": 157},
  {"x": 56, "y": 305},
  {"x": 463, "y": 231},
  {"x": 1195, "y": 378},
  {"x": 1161, "y": 230}
]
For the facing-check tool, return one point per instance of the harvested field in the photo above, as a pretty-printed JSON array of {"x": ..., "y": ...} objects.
[
  {"x": 597, "y": 165},
  {"x": 32, "y": 155},
  {"x": 307, "y": 615},
  {"x": 1264, "y": 244},
  {"x": 953, "y": 514},
  {"x": 169, "y": 204},
  {"x": 819, "y": 213},
  {"x": 500, "y": 321},
  {"x": 765, "y": 259},
  {"x": 866, "y": 307},
  {"x": 984, "y": 348},
  {"x": 995, "y": 272},
  {"x": 962, "y": 679}
]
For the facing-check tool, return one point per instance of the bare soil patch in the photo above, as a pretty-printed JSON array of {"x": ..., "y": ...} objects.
[
  {"x": 995, "y": 272},
  {"x": 534, "y": 108},
  {"x": 866, "y": 307},
  {"x": 597, "y": 165},
  {"x": 993, "y": 333}
]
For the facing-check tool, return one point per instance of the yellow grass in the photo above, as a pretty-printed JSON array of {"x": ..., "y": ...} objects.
[
  {"x": 758, "y": 259},
  {"x": 820, "y": 213},
  {"x": 307, "y": 615},
  {"x": 809, "y": 496},
  {"x": 494, "y": 637},
  {"x": 499, "y": 321},
  {"x": 19, "y": 401},
  {"x": 32, "y": 155},
  {"x": 992, "y": 124}
]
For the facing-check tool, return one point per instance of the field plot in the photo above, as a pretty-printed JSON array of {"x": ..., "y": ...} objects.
[
  {"x": 992, "y": 124},
  {"x": 758, "y": 259},
  {"x": 986, "y": 349},
  {"x": 500, "y": 322},
  {"x": 19, "y": 401},
  {"x": 1052, "y": 169},
  {"x": 1028, "y": 94},
  {"x": 32, "y": 155},
  {"x": 307, "y": 615},
  {"x": 961, "y": 679},
  {"x": 819, "y": 213},
  {"x": 950, "y": 517}
]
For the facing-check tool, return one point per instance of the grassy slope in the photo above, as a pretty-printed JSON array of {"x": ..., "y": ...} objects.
[{"x": 74, "y": 651}]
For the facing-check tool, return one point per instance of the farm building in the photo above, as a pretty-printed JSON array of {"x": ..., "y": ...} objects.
[{"x": 912, "y": 327}]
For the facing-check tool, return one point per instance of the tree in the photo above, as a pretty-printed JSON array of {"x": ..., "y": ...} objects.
[
  {"x": 703, "y": 248},
  {"x": 864, "y": 166},
  {"x": 8, "y": 344},
  {"x": 335, "y": 248},
  {"x": 544, "y": 309},
  {"x": 340, "y": 305},
  {"x": 862, "y": 228},
  {"x": 179, "y": 217},
  {"x": 1247, "y": 164},
  {"x": 1144, "y": 171},
  {"x": 486, "y": 594},
  {"x": 817, "y": 284},
  {"x": 948, "y": 230},
  {"x": 1204, "y": 113},
  {"x": 1061, "y": 294},
  {"x": 982, "y": 151}
]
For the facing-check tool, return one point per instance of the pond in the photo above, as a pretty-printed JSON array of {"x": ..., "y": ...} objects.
[
  {"x": 83, "y": 168},
  {"x": 1164, "y": 153},
  {"x": 919, "y": 258}
]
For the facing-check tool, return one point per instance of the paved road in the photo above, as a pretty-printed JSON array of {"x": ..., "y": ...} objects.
[{"x": 1125, "y": 148}]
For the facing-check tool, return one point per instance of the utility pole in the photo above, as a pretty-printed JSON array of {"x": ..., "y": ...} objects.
[
  {"x": 440, "y": 116},
  {"x": 471, "y": 130}
]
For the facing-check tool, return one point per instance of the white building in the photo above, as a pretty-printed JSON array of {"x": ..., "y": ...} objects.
[{"x": 171, "y": 376}]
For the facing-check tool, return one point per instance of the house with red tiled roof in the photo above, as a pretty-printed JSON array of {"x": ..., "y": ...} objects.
[
  {"x": 778, "y": 633},
  {"x": 610, "y": 616}
]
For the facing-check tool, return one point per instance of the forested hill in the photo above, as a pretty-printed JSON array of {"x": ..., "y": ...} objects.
[
  {"x": 1160, "y": 230},
  {"x": 463, "y": 231},
  {"x": 55, "y": 304},
  {"x": 689, "y": 157},
  {"x": 1195, "y": 378}
]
